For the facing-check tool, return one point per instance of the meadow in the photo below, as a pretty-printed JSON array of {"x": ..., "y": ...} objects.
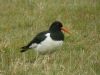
[{"x": 21, "y": 20}]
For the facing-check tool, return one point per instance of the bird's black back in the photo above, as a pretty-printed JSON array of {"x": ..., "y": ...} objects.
[{"x": 37, "y": 39}]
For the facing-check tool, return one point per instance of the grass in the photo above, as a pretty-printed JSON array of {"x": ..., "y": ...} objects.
[{"x": 21, "y": 20}]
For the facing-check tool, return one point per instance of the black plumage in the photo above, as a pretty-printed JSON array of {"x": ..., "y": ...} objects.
[
  {"x": 55, "y": 34},
  {"x": 39, "y": 37}
]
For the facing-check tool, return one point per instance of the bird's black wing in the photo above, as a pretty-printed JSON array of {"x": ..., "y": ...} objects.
[{"x": 38, "y": 39}]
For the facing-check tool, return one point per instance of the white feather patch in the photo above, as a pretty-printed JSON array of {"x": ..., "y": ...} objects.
[
  {"x": 48, "y": 44},
  {"x": 34, "y": 45}
]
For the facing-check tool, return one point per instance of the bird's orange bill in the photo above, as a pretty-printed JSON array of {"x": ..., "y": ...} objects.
[{"x": 65, "y": 30}]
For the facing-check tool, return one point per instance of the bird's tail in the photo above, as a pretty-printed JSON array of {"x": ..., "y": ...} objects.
[{"x": 23, "y": 49}]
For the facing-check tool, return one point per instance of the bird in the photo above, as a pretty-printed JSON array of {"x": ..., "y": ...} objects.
[{"x": 46, "y": 41}]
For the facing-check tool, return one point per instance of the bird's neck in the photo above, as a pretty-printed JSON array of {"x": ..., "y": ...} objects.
[{"x": 57, "y": 35}]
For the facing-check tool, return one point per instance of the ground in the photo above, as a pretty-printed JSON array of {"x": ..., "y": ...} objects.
[{"x": 21, "y": 20}]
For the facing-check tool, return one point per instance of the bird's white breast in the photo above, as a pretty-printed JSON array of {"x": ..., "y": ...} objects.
[{"x": 48, "y": 44}]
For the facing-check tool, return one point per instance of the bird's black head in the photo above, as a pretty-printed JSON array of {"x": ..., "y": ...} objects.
[{"x": 56, "y": 26}]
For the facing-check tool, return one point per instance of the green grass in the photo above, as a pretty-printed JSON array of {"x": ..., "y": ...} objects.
[{"x": 21, "y": 20}]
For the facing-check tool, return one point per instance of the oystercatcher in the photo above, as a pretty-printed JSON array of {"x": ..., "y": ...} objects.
[{"x": 47, "y": 41}]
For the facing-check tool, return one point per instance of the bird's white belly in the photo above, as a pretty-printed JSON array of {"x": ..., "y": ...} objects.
[{"x": 48, "y": 45}]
